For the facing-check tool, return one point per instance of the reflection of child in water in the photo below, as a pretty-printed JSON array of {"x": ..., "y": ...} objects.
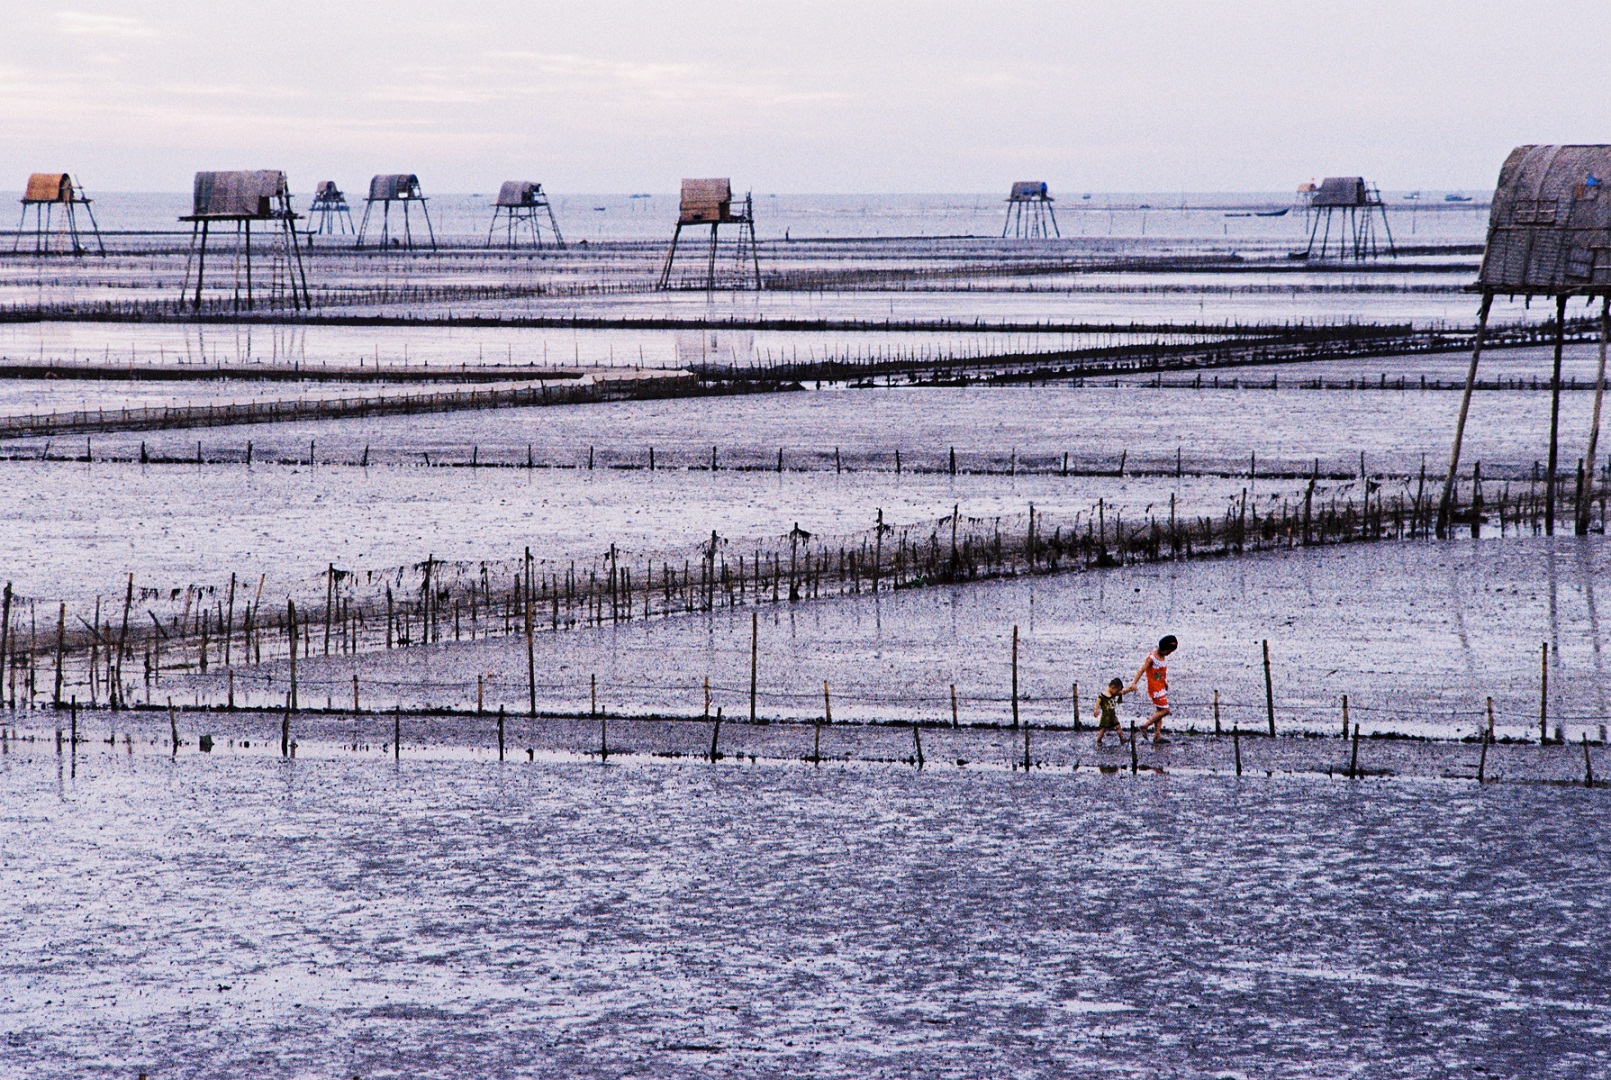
[
  {"x": 1107, "y": 711},
  {"x": 1155, "y": 669}
]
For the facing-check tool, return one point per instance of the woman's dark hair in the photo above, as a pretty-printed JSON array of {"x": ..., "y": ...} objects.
[{"x": 1168, "y": 644}]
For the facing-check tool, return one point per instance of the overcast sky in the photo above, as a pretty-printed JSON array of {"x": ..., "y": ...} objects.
[{"x": 797, "y": 97}]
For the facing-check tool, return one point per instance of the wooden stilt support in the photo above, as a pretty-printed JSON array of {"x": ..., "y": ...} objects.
[
  {"x": 1585, "y": 497},
  {"x": 1554, "y": 417},
  {"x": 1446, "y": 503}
]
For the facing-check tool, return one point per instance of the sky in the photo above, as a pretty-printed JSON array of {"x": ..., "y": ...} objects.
[{"x": 797, "y": 97}]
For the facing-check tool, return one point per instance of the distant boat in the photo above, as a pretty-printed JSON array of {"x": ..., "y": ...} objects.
[
  {"x": 1238, "y": 213},
  {"x": 1457, "y": 198},
  {"x": 1144, "y": 206},
  {"x": 1272, "y": 213},
  {"x": 641, "y": 195},
  {"x": 601, "y": 208},
  {"x": 1412, "y": 196},
  {"x": 1087, "y": 195}
]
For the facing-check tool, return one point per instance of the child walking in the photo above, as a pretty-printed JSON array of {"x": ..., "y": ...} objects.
[
  {"x": 1155, "y": 669},
  {"x": 1107, "y": 711}
]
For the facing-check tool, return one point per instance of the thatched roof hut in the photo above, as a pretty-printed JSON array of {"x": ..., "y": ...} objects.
[
  {"x": 394, "y": 187},
  {"x": 1549, "y": 229},
  {"x": 48, "y": 187},
  {"x": 706, "y": 201},
  {"x": 239, "y": 195}
]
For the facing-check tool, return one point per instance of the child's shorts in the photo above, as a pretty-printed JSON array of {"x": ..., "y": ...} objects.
[
  {"x": 1160, "y": 698},
  {"x": 1110, "y": 725}
]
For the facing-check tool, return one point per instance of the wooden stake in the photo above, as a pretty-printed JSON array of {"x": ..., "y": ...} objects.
[
  {"x": 1353, "y": 759},
  {"x": 1345, "y": 715},
  {"x": 290, "y": 637},
  {"x": 954, "y": 705},
  {"x": 917, "y": 740},
  {"x": 1543, "y": 694},
  {"x": 1076, "y": 707},
  {"x": 397, "y": 733},
  {"x": 755, "y": 638},
  {"x": 1236, "y": 741},
  {"x": 531, "y": 659},
  {"x": 1216, "y": 712},
  {"x": 715, "y": 734},
  {"x": 1269, "y": 689},
  {"x": 1588, "y": 765},
  {"x": 500, "y": 732},
  {"x": 1015, "y": 675},
  {"x": 1135, "y": 764}
]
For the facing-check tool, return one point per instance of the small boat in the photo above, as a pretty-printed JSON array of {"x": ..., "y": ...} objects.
[
  {"x": 1087, "y": 195},
  {"x": 640, "y": 195},
  {"x": 1457, "y": 198},
  {"x": 1238, "y": 213},
  {"x": 1272, "y": 213}
]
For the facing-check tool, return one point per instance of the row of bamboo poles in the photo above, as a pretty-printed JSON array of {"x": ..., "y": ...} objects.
[
  {"x": 435, "y": 601},
  {"x": 168, "y": 417}
]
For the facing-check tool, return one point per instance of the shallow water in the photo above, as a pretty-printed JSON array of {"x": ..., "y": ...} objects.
[{"x": 441, "y": 917}]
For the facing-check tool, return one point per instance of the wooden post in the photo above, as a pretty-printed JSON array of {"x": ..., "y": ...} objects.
[
  {"x": 954, "y": 722},
  {"x": 755, "y": 638},
  {"x": 1026, "y": 747},
  {"x": 1345, "y": 715},
  {"x": 1236, "y": 741},
  {"x": 531, "y": 662},
  {"x": 1588, "y": 765},
  {"x": 715, "y": 734},
  {"x": 231, "y": 700},
  {"x": 1487, "y": 737},
  {"x": 290, "y": 636},
  {"x": 1076, "y": 707},
  {"x": 1554, "y": 417},
  {"x": 1269, "y": 689},
  {"x": 285, "y": 727},
  {"x": 1543, "y": 694},
  {"x": 1015, "y": 675},
  {"x": 593, "y": 694},
  {"x": 707, "y": 697},
  {"x": 917, "y": 741},
  {"x": 1445, "y": 504},
  {"x": 173, "y": 727},
  {"x": 329, "y": 602},
  {"x": 1134, "y": 762},
  {"x": 397, "y": 733},
  {"x": 1353, "y": 760},
  {"x": 1586, "y": 495},
  {"x": 1216, "y": 712},
  {"x": 604, "y": 740},
  {"x": 500, "y": 732},
  {"x": 61, "y": 642}
]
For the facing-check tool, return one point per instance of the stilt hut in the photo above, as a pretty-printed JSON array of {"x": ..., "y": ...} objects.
[
  {"x": 710, "y": 202},
  {"x": 1549, "y": 234},
  {"x": 403, "y": 189},
  {"x": 329, "y": 212},
  {"x": 1029, "y": 212},
  {"x": 521, "y": 205},
  {"x": 222, "y": 199},
  {"x": 55, "y": 199},
  {"x": 1356, "y": 205}
]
